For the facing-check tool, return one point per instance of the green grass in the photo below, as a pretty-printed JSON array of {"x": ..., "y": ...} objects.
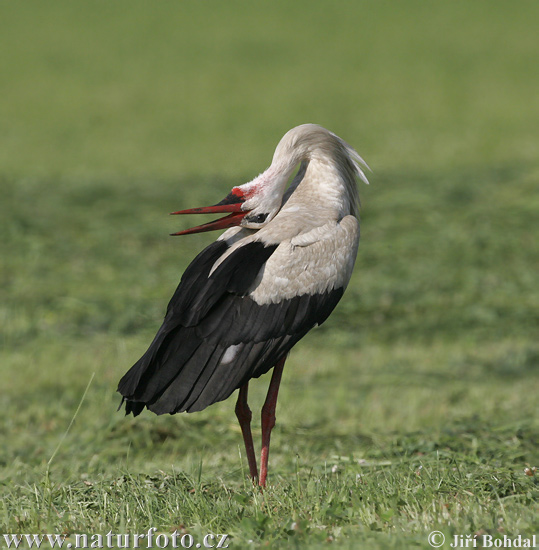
[{"x": 413, "y": 409}]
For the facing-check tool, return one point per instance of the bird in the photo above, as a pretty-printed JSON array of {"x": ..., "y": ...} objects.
[{"x": 278, "y": 270}]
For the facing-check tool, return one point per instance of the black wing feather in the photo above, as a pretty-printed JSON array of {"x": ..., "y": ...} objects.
[
  {"x": 184, "y": 368},
  {"x": 234, "y": 275}
]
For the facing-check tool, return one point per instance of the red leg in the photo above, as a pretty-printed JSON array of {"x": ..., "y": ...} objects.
[
  {"x": 243, "y": 412},
  {"x": 268, "y": 418}
]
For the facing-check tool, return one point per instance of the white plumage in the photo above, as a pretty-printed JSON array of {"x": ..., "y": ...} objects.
[{"x": 244, "y": 302}]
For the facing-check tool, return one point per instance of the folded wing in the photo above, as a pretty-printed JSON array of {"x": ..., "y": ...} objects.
[{"x": 219, "y": 332}]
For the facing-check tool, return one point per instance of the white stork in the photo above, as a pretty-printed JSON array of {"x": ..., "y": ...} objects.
[{"x": 245, "y": 300}]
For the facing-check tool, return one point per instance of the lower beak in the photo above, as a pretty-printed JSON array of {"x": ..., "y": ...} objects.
[{"x": 234, "y": 218}]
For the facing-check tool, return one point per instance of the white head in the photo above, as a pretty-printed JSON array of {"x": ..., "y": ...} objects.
[{"x": 254, "y": 204}]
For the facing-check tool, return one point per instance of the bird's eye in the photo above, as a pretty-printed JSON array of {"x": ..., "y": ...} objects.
[{"x": 260, "y": 218}]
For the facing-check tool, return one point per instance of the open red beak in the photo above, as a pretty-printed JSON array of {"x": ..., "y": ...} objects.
[{"x": 231, "y": 203}]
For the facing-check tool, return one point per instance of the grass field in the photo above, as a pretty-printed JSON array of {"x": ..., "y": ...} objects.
[{"x": 413, "y": 409}]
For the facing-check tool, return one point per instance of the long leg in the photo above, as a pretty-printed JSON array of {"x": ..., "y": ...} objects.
[
  {"x": 243, "y": 412},
  {"x": 268, "y": 418}
]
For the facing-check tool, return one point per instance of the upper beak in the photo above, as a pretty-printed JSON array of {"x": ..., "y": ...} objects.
[{"x": 231, "y": 203}]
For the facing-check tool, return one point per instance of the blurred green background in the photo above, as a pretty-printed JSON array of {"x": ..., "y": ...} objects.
[
  {"x": 113, "y": 114},
  {"x": 166, "y": 89}
]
